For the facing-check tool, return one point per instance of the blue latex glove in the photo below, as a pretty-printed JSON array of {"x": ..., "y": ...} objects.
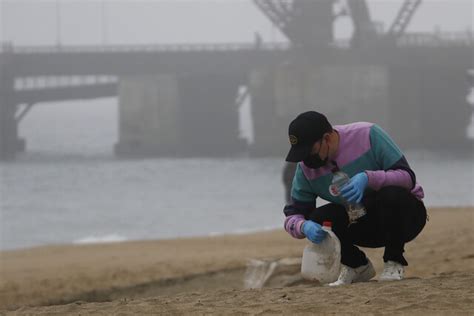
[
  {"x": 313, "y": 231},
  {"x": 353, "y": 191}
]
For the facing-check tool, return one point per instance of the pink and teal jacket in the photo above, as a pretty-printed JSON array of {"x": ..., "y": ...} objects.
[{"x": 362, "y": 147}]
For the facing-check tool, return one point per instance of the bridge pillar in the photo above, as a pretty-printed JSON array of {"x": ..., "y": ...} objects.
[
  {"x": 148, "y": 116},
  {"x": 429, "y": 105},
  {"x": 270, "y": 133},
  {"x": 209, "y": 117},
  {"x": 166, "y": 115},
  {"x": 445, "y": 111},
  {"x": 10, "y": 144}
]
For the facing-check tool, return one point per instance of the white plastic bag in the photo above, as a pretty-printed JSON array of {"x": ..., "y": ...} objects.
[{"x": 322, "y": 262}]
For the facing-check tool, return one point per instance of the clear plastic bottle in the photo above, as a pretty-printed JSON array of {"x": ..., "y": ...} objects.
[
  {"x": 354, "y": 210},
  {"x": 322, "y": 262}
]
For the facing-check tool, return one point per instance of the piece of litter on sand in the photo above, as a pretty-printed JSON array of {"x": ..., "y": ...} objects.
[{"x": 273, "y": 273}]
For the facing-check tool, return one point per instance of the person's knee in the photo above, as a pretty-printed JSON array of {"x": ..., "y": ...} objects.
[
  {"x": 401, "y": 211},
  {"x": 416, "y": 222},
  {"x": 392, "y": 196}
]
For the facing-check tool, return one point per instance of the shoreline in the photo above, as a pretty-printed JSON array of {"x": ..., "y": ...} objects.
[
  {"x": 106, "y": 239},
  {"x": 121, "y": 239}
]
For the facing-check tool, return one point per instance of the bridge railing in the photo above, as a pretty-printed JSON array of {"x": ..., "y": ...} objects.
[
  {"x": 411, "y": 39},
  {"x": 48, "y": 82},
  {"x": 437, "y": 39},
  {"x": 146, "y": 48}
]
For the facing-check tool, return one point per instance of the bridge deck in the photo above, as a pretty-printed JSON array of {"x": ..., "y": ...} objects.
[
  {"x": 416, "y": 50},
  {"x": 130, "y": 60}
]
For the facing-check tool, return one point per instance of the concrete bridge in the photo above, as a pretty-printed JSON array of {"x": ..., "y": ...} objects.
[
  {"x": 208, "y": 77},
  {"x": 183, "y": 99}
]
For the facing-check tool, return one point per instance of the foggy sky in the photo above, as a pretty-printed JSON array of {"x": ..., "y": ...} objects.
[{"x": 91, "y": 22}]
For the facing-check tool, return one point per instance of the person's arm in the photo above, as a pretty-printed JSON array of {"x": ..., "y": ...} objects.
[
  {"x": 302, "y": 203},
  {"x": 293, "y": 224},
  {"x": 394, "y": 168}
]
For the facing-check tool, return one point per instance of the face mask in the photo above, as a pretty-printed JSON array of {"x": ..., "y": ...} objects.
[{"x": 314, "y": 161}]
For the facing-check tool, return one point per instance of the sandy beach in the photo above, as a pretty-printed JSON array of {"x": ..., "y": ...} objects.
[{"x": 206, "y": 276}]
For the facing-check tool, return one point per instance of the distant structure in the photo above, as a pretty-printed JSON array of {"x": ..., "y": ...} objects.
[{"x": 182, "y": 100}]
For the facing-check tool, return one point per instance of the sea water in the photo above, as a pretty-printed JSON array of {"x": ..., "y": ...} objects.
[{"x": 69, "y": 188}]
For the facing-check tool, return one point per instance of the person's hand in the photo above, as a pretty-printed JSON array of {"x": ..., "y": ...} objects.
[
  {"x": 313, "y": 231},
  {"x": 353, "y": 191}
]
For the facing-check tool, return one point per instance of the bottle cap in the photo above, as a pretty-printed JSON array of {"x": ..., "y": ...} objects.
[{"x": 327, "y": 224}]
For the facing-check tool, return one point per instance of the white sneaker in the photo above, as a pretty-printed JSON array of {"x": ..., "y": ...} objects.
[
  {"x": 350, "y": 275},
  {"x": 392, "y": 271}
]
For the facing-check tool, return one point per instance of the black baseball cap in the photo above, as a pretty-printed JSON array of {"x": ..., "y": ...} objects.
[{"x": 306, "y": 129}]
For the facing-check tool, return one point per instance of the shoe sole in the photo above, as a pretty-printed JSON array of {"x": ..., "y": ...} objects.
[
  {"x": 364, "y": 276},
  {"x": 389, "y": 279}
]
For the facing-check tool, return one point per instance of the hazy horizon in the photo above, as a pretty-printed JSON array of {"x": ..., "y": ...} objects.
[{"x": 92, "y": 22}]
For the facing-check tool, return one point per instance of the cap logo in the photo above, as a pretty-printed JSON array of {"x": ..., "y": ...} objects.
[{"x": 293, "y": 140}]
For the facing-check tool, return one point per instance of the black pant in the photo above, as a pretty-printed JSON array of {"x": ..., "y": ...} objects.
[{"x": 394, "y": 217}]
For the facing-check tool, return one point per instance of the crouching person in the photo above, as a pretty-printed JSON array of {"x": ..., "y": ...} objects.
[{"x": 380, "y": 178}]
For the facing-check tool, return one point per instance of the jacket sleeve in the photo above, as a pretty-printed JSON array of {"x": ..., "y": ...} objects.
[
  {"x": 394, "y": 168},
  {"x": 303, "y": 201}
]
